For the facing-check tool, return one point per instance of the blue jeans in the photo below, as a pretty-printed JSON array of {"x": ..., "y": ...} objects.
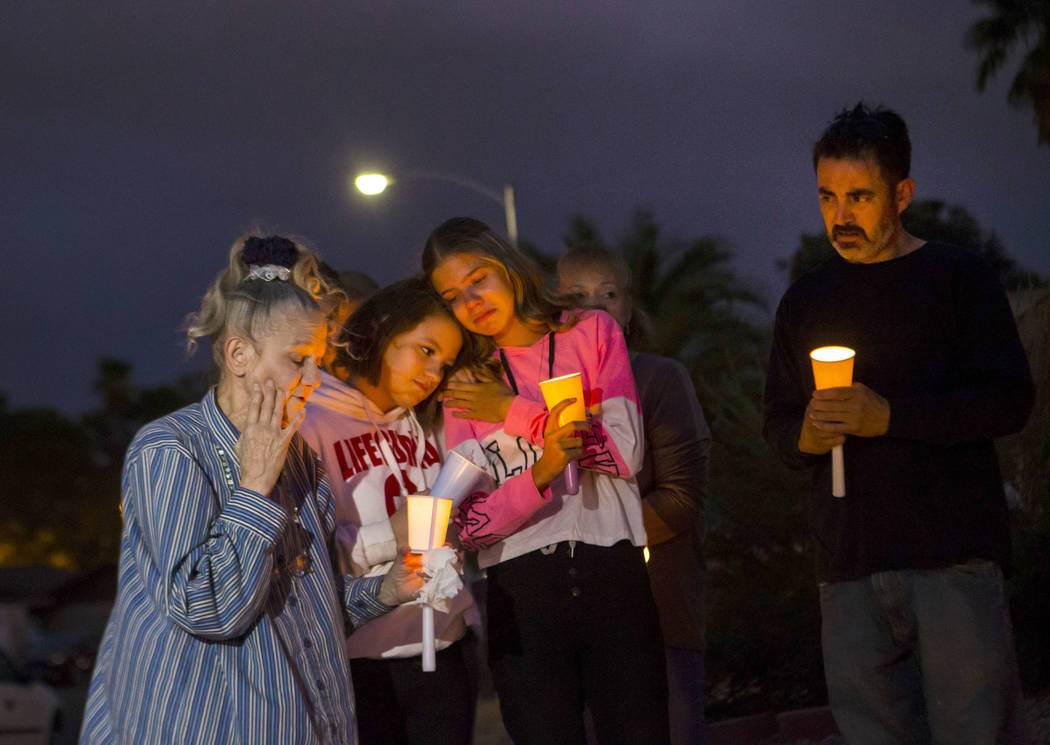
[{"x": 922, "y": 656}]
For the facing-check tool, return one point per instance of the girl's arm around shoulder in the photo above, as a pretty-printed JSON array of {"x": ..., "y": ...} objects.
[{"x": 486, "y": 397}]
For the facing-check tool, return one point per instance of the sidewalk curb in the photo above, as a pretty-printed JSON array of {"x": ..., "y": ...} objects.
[{"x": 814, "y": 724}]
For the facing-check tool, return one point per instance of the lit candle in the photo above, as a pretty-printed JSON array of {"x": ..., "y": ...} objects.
[
  {"x": 833, "y": 368},
  {"x": 427, "y": 523},
  {"x": 556, "y": 390}
]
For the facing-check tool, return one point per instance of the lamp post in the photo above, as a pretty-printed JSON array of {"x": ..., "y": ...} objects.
[{"x": 372, "y": 184}]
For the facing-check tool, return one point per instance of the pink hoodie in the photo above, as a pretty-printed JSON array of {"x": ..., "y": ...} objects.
[
  {"x": 373, "y": 460},
  {"x": 516, "y": 518}
]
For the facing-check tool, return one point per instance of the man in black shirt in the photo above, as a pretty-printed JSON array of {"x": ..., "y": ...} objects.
[{"x": 916, "y": 631}]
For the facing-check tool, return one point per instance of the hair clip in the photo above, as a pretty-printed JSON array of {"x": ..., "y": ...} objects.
[{"x": 269, "y": 272}]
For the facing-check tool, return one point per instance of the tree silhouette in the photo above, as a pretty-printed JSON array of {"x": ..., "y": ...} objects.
[
  {"x": 1025, "y": 458},
  {"x": 61, "y": 478},
  {"x": 932, "y": 219},
  {"x": 126, "y": 407},
  {"x": 701, "y": 310},
  {"x": 1013, "y": 24},
  {"x": 48, "y": 471}
]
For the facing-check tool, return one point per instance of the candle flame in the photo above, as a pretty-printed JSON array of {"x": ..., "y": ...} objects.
[{"x": 832, "y": 354}]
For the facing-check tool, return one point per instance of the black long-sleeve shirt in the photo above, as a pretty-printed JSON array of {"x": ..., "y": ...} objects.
[{"x": 934, "y": 335}]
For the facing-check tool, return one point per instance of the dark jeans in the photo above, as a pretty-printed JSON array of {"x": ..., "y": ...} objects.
[
  {"x": 685, "y": 686},
  {"x": 573, "y": 628},
  {"x": 922, "y": 656},
  {"x": 399, "y": 704}
]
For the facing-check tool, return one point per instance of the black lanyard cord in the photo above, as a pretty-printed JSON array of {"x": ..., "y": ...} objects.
[{"x": 550, "y": 363}]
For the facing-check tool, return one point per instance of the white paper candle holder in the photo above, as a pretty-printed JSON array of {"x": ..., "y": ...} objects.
[{"x": 427, "y": 524}]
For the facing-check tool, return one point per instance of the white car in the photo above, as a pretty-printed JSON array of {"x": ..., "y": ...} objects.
[{"x": 30, "y": 712}]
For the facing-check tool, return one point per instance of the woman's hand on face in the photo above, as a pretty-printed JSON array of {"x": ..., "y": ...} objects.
[
  {"x": 404, "y": 580},
  {"x": 263, "y": 444},
  {"x": 485, "y": 401},
  {"x": 561, "y": 444}
]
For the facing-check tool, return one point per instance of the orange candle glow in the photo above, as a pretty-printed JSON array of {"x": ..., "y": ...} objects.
[
  {"x": 833, "y": 368},
  {"x": 427, "y": 522},
  {"x": 556, "y": 390}
]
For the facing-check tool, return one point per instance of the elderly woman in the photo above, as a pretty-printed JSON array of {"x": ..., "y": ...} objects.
[{"x": 229, "y": 622}]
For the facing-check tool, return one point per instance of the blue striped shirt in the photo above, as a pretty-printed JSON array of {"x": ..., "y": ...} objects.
[{"x": 211, "y": 639}]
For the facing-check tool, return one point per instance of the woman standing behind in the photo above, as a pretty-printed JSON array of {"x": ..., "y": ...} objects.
[
  {"x": 397, "y": 348},
  {"x": 571, "y": 621},
  {"x": 227, "y": 621},
  {"x": 673, "y": 480}
]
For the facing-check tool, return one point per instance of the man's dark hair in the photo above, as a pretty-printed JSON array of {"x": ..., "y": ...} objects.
[{"x": 863, "y": 132}]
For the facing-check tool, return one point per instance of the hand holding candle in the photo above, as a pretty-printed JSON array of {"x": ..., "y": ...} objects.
[
  {"x": 427, "y": 523},
  {"x": 556, "y": 390},
  {"x": 833, "y": 368}
]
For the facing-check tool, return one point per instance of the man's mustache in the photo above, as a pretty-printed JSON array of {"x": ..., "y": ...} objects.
[{"x": 848, "y": 231}]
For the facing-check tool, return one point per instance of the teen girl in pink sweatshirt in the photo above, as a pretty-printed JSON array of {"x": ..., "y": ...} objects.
[{"x": 571, "y": 621}]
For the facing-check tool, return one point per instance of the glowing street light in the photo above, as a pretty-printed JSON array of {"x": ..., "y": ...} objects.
[{"x": 372, "y": 184}]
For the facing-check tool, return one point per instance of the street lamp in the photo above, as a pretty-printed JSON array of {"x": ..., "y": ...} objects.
[{"x": 372, "y": 184}]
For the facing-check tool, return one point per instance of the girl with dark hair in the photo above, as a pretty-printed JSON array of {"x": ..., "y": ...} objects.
[
  {"x": 399, "y": 346},
  {"x": 571, "y": 620},
  {"x": 224, "y": 626}
]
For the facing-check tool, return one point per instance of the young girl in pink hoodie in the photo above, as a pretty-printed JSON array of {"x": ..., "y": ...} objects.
[
  {"x": 571, "y": 620},
  {"x": 379, "y": 441}
]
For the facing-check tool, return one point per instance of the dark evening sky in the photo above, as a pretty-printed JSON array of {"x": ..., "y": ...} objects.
[{"x": 140, "y": 138}]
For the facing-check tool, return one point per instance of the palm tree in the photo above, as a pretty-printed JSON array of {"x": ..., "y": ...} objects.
[
  {"x": 699, "y": 306},
  {"x": 1016, "y": 23}
]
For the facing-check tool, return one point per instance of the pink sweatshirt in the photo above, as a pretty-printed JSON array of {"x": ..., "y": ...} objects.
[
  {"x": 516, "y": 518},
  {"x": 373, "y": 460}
]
